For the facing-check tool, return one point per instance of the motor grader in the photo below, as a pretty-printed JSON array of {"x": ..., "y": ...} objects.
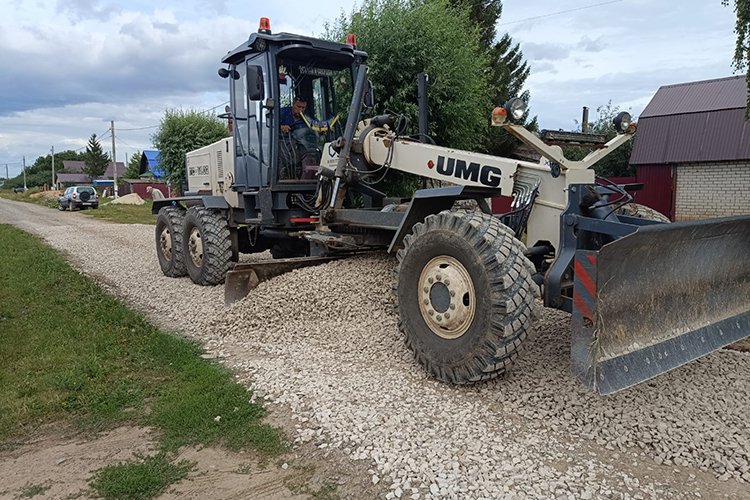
[{"x": 645, "y": 296}]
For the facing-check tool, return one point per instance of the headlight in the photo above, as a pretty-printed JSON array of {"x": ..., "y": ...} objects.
[
  {"x": 622, "y": 122},
  {"x": 515, "y": 108}
]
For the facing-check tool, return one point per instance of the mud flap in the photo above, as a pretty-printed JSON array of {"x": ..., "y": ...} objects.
[{"x": 659, "y": 298}]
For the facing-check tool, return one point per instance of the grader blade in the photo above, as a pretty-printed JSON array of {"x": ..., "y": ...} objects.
[
  {"x": 659, "y": 298},
  {"x": 245, "y": 277}
]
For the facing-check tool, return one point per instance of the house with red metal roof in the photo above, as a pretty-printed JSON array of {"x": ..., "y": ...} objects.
[
  {"x": 74, "y": 173},
  {"x": 692, "y": 149}
]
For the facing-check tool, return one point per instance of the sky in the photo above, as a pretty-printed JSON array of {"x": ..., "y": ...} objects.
[{"x": 71, "y": 66}]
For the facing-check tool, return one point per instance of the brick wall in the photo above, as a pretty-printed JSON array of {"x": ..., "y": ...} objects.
[{"x": 707, "y": 190}]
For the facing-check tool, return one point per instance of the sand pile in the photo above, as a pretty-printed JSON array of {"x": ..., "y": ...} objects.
[
  {"x": 47, "y": 194},
  {"x": 128, "y": 199}
]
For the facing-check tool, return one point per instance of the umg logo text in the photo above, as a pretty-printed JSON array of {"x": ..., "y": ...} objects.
[{"x": 487, "y": 175}]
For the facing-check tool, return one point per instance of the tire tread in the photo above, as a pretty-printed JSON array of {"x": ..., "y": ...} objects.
[{"x": 513, "y": 293}]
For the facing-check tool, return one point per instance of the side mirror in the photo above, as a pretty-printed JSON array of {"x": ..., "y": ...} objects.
[
  {"x": 254, "y": 83},
  {"x": 223, "y": 72},
  {"x": 369, "y": 97}
]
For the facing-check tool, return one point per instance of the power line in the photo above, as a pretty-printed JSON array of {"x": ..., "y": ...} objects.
[
  {"x": 202, "y": 111},
  {"x": 128, "y": 145},
  {"x": 140, "y": 128},
  {"x": 561, "y": 12},
  {"x": 211, "y": 109}
]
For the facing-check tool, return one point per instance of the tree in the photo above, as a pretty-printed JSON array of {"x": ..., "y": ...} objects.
[
  {"x": 406, "y": 37},
  {"x": 179, "y": 133},
  {"x": 40, "y": 172},
  {"x": 617, "y": 163},
  {"x": 95, "y": 160},
  {"x": 134, "y": 165},
  {"x": 741, "y": 59},
  {"x": 506, "y": 70}
]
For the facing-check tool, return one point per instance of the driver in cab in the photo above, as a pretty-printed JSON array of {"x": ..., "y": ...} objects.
[{"x": 291, "y": 116}]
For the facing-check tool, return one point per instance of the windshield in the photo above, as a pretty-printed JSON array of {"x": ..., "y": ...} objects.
[
  {"x": 312, "y": 88},
  {"x": 308, "y": 116},
  {"x": 88, "y": 190}
]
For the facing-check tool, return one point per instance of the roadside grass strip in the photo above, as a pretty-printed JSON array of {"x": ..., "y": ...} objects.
[
  {"x": 70, "y": 352},
  {"x": 123, "y": 214}
]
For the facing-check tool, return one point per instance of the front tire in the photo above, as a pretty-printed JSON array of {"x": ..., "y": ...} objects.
[
  {"x": 464, "y": 295},
  {"x": 170, "y": 225},
  {"x": 642, "y": 212},
  {"x": 207, "y": 246}
]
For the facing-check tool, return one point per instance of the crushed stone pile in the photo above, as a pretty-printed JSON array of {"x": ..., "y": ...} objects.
[
  {"x": 128, "y": 199},
  {"x": 328, "y": 331}
]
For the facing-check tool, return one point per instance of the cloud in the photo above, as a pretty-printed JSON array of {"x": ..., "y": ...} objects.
[
  {"x": 550, "y": 51},
  {"x": 558, "y": 102},
  {"x": 544, "y": 67},
  {"x": 588, "y": 45},
  {"x": 216, "y": 6},
  {"x": 80, "y": 10},
  {"x": 69, "y": 127},
  {"x": 545, "y": 51},
  {"x": 172, "y": 28},
  {"x": 146, "y": 57}
]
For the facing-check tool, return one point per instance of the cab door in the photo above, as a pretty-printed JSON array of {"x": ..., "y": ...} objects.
[{"x": 251, "y": 137}]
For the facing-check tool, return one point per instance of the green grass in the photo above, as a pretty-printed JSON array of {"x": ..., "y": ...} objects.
[
  {"x": 124, "y": 214},
  {"x": 146, "y": 478},
  {"x": 32, "y": 490},
  {"x": 70, "y": 352},
  {"x": 26, "y": 197}
]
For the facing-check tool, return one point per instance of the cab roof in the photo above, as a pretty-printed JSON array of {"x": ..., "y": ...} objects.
[{"x": 333, "y": 55}]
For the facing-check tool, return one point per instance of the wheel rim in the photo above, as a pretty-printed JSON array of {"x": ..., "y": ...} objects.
[
  {"x": 195, "y": 247},
  {"x": 165, "y": 243},
  {"x": 446, "y": 297}
]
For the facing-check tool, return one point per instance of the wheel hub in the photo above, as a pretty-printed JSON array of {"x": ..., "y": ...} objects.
[
  {"x": 195, "y": 247},
  {"x": 165, "y": 243},
  {"x": 446, "y": 297}
]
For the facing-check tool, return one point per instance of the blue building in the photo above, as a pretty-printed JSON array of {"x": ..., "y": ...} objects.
[{"x": 150, "y": 163}]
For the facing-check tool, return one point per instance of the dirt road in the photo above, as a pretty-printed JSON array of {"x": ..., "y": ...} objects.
[{"x": 321, "y": 346}]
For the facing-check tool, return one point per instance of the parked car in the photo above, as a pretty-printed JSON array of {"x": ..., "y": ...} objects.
[{"x": 78, "y": 197}]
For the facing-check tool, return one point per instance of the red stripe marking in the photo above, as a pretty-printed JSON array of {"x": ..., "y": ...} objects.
[
  {"x": 581, "y": 306},
  {"x": 585, "y": 278},
  {"x": 592, "y": 259}
]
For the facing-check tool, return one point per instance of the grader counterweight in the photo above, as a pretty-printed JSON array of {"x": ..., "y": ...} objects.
[{"x": 645, "y": 296}]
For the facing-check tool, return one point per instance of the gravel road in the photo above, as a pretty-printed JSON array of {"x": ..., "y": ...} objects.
[{"x": 322, "y": 343}]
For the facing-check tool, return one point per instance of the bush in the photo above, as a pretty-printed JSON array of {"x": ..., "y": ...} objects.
[{"x": 181, "y": 132}]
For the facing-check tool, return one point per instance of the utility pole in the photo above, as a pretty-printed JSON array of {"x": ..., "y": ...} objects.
[
  {"x": 6, "y": 172},
  {"x": 24, "y": 174},
  {"x": 114, "y": 158},
  {"x": 53, "y": 168}
]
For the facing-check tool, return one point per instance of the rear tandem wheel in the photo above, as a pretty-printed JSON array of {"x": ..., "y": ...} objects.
[
  {"x": 207, "y": 246},
  {"x": 169, "y": 227},
  {"x": 464, "y": 295}
]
